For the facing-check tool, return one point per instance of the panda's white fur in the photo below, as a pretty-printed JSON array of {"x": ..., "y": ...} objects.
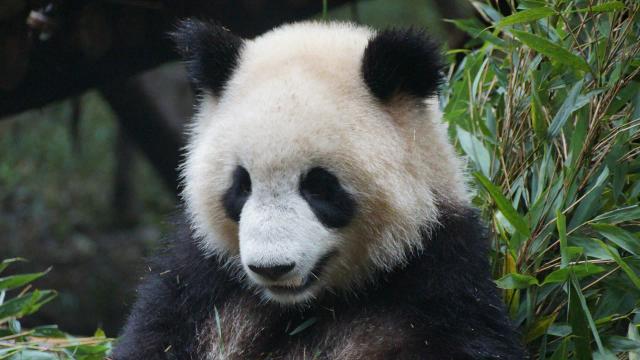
[{"x": 295, "y": 100}]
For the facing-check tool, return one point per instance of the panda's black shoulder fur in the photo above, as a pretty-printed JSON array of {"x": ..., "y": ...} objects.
[{"x": 442, "y": 305}]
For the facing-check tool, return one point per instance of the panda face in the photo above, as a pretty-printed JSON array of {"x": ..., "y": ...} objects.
[
  {"x": 305, "y": 173},
  {"x": 278, "y": 192},
  {"x": 288, "y": 227}
]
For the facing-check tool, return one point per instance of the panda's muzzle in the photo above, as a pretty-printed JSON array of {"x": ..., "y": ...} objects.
[
  {"x": 309, "y": 280},
  {"x": 274, "y": 272}
]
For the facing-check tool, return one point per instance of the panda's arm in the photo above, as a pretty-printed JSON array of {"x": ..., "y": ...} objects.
[
  {"x": 151, "y": 330},
  {"x": 457, "y": 298},
  {"x": 176, "y": 296}
]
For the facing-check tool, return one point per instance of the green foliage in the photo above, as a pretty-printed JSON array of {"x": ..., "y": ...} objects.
[
  {"x": 42, "y": 342},
  {"x": 547, "y": 108}
]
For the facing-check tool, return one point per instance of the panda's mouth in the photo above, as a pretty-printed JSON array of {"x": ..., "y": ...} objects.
[{"x": 312, "y": 278}]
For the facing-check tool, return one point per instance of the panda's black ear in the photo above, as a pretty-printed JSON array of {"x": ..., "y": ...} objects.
[
  {"x": 403, "y": 62},
  {"x": 210, "y": 52}
]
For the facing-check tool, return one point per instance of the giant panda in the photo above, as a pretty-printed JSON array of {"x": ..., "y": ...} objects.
[{"x": 326, "y": 214}]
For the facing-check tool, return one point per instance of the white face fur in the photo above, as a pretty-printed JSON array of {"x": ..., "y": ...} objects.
[{"x": 296, "y": 103}]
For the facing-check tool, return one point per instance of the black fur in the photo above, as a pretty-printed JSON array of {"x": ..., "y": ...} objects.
[
  {"x": 442, "y": 305},
  {"x": 210, "y": 52},
  {"x": 236, "y": 196},
  {"x": 329, "y": 201},
  {"x": 402, "y": 62}
]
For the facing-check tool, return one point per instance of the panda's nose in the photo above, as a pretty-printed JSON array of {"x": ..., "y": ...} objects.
[{"x": 272, "y": 272}]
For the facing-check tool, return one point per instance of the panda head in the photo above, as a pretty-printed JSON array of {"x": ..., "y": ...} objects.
[{"x": 317, "y": 157}]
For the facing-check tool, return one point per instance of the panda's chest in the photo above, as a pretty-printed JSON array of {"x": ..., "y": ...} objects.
[
  {"x": 235, "y": 331},
  {"x": 242, "y": 333},
  {"x": 245, "y": 332}
]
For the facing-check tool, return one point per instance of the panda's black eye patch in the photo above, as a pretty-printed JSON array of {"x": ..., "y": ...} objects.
[
  {"x": 234, "y": 198},
  {"x": 328, "y": 200}
]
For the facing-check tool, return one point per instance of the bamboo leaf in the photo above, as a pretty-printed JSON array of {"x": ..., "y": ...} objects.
[
  {"x": 617, "y": 216},
  {"x": 14, "y": 281},
  {"x": 219, "y": 331},
  {"x": 562, "y": 353},
  {"x": 516, "y": 281},
  {"x": 26, "y": 304},
  {"x": 621, "y": 343},
  {"x": 537, "y": 114},
  {"x": 579, "y": 325},
  {"x": 632, "y": 333},
  {"x": 592, "y": 202},
  {"x": 620, "y": 237},
  {"x": 605, "y": 7},
  {"x": 565, "y": 110},
  {"x": 585, "y": 308},
  {"x": 561, "y": 224},
  {"x": 476, "y": 29},
  {"x": 504, "y": 205},
  {"x": 553, "y": 51},
  {"x": 5, "y": 263},
  {"x": 475, "y": 150},
  {"x": 539, "y": 328},
  {"x": 581, "y": 270},
  {"x": 623, "y": 264},
  {"x": 525, "y": 16},
  {"x": 302, "y": 327}
]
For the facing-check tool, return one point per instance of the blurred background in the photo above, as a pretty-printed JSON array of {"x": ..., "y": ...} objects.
[{"x": 92, "y": 107}]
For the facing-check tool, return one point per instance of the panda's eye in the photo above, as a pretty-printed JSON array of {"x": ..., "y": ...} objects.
[
  {"x": 328, "y": 200},
  {"x": 236, "y": 196}
]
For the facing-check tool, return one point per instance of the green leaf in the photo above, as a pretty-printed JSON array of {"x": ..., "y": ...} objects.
[
  {"x": 558, "y": 329},
  {"x": 565, "y": 110},
  {"x": 504, "y": 205},
  {"x": 14, "y": 281},
  {"x": 26, "y": 304},
  {"x": 623, "y": 264},
  {"x": 219, "y": 331},
  {"x": 606, "y": 7},
  {"x": 476, "y": 29},
  {"x": 539, "y": 328},
  {"x": 580, "y": 270},
  {"x": 302, "y": 327},
  {"x": 585, "y": 308},
  {"x": 592, "y": 201},
  {"x": 578, "y": 136},
  {"x": 49, "y": 331},
  {"x": 525, "y": 16},
  {"x": 516, "y": 281},
  {"x": 14, "y": 326},
  {"x": 34, "y": 355},
  {"x": 632, "y": 333},
  {"x": 617, "y": 216},
  {"x": 620, "y": 344},
  {"x": 562, "y": 353},
  {"x": 620, "y": 237},
  {"x": 561, "y": 224},
  {"x": 99, "y": 333},
  {"x": 475, "y": 150},
  {"x": 553, "y": 51},
  {"x": 537, "y": 113},
  {"x": 604, "y": 354},
  {"x": 590, "y": 247},
  {"x": 5, "y": 263},
  {"x": 579, "y": 325},
  {"x": 488, "y": 10}
]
